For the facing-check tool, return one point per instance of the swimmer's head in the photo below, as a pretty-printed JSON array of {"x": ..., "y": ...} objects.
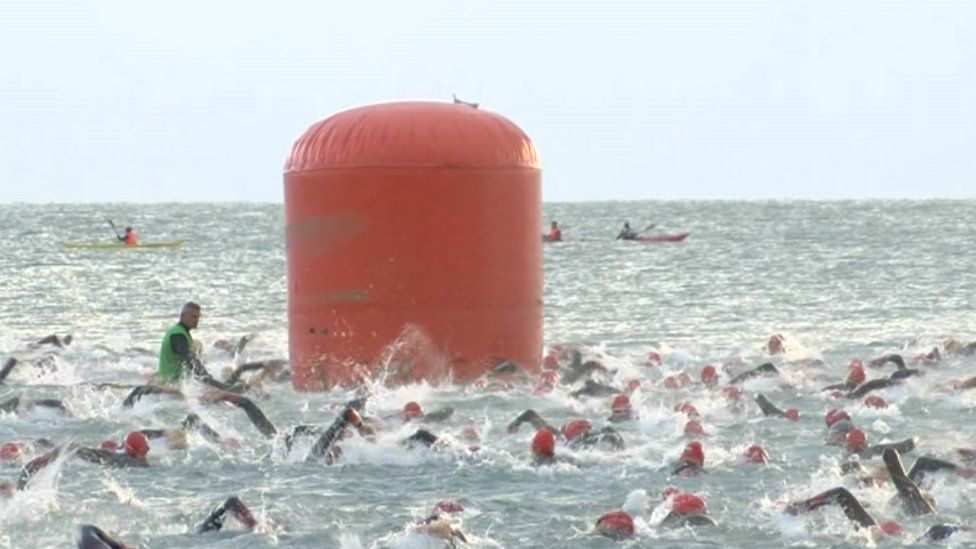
[
  {"x": 615, "y": 525},
  {"x": 891, "y": 528},
  {"x": 544, "y": 443},
  {"x": 688, "y": 505},
  {"x": 448, "y": 507},
  {"x": 838, "y": 432},
  {"x": 575, "y": 428},
  {"x": 632, "y": 385},
  {"x": 10, "y": 451},
  {"x": 620, "y": 404},
  {"x": 668, "y": 492},
  {"x": 855, "y": 441},
  {"x": 709, "y": 376},
  {"x": 694, "y": 454},
  {"x": 776, "y": 344},
  {"x": 856, "y": 375},
  {"x": 756, "y": 454},
  {"x": 875, "y": 401},
  {"x": 834, "y": 415},
  {"x": 412, "y": 410},
  {"x": 686, "y": 408},
  {"x": 654, "y": 357},
  {"x": 136, "y": 445},
  {"x": 793, "y": 414},
  {"x": 694, "y": 428}
]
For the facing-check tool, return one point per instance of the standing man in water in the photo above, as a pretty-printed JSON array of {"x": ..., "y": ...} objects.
[{"x": 176, "y": 357}]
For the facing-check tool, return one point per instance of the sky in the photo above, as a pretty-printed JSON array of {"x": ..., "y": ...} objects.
[{"x": 624, "y": 100}]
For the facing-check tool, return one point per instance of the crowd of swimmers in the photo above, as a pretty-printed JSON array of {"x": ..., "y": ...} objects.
[{"x": 866, "y": 465}]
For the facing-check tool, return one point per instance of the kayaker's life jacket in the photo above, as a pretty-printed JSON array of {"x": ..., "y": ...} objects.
[
  {"x": 130, "y": 239},
  {"x": 555, "y": 234}
]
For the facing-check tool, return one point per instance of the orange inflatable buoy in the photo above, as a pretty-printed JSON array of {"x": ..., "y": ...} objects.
[{"x": 412, "y": 243}]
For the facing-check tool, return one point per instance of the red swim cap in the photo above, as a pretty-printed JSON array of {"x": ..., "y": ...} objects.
[
  {"x": 469, "y": 433},
  {"x": 550, "y": 363},
  {"x": 693, "y": 453},
  {"x": 775, "y": 344},
  {"x": 109, "y": 445},
  {"x": 686, "y": 408},
  {"x": 615, "y": 524},
  {"x": 855, "y": 440},
  {"x": 834, "y": 415},
  {"x": 654, "y": 357},
  {"x": 688, "y": 504},
  {"x": 709, "y": 376},
  {"x": 632, "y": 385},
  {"x": 669, "y": 491},
  {"x": 756, "y": 454},
  {"x": 692, "y": 427},
  {"x": 136, "y": 445},
  {"x": 732, "y": 392},
  {"x": 9, "y": 451},
  {"x": 544, "y": 443},
  {"x": 670, "y": 382},
  {"x": 449, "y": 507},
  {"x": 793, "y": 414},
  {"x": 352, "y": 416},
  {"x": 856, "y": 375},
  {"x": 684, "y": 379},
  {"x": 891, "y": 528},
  {"x": 412, "y": 410},
  {"x": 874, "y": 401},
  {"x": 575, "y": 428},
  {"x": 621, "y": 403}
]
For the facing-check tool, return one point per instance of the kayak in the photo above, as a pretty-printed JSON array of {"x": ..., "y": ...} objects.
[
  {"x": 119, "y": 246},
  {"x": 673, "y": 237}
]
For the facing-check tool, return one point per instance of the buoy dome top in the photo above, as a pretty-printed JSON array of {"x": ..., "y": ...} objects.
[{"x": 412, "y": 134}]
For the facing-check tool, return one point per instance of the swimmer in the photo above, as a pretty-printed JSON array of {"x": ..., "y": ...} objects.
[
  {"x": 621, "y": 410},
  {"x": 145, "y": 390},
  {"x": 766, "y": 369},
  {"x": 687, "y": 510},
  {"x": 616, "y": 525},
  {"x": 544, "y": 449},
  {"x": 692, "y": 460},
  {"x": 913, "y": 500},
  {"x": 855, "y": 442},
  {"x": 93, "y": 537},
  {"x": 272, "y": 370},
  {"x": 578, "y": 433},
  {"x": 19, "y": 405},
  {"x": 855, "y": 377},
  {"x": 215, "y": 520},
  {"x": 54, "y": 340},
  {"x": 234, "y": 349},
  {"x": 851, "y": 506},
  {"x": 414, "y": 411},
  {"x": 770, "y": 409},
  {"x": 592, "y": 388}
]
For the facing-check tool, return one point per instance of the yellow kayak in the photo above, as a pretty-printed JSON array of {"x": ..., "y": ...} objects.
[{"x": 119, "y": 246}]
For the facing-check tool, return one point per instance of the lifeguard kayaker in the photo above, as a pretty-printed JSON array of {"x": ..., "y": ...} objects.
[
  {"x": 555, "y": 233},
  {"x": 627, "y": 233},
  {"x": 176, "y": 358},
  {"x": 129, "y": 238}
]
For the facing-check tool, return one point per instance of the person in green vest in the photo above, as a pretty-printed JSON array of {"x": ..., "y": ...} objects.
[{"x": 176, "y": 357}]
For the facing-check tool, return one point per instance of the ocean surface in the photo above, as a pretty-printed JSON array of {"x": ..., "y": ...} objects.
[{"x": 840, "y": 280}]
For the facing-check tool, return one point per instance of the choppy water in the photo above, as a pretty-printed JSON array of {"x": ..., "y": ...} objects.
[{"x": 841, "y": 280}]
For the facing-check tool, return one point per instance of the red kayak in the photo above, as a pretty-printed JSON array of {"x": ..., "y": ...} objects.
[{"x": 675, "y": 237}]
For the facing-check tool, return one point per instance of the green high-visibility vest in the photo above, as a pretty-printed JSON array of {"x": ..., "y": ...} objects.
[{"x": 170, "y": 364}]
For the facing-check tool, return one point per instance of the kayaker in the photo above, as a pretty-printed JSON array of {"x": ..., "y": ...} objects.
[
  {"x": 555, "y": 233},
  {"x": 627, "y": 233},
  {"x": 129, "y": 238},
  {"x": 177, "y": 361}
]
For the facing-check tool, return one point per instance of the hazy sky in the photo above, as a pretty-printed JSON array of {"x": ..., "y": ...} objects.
[{"x": 201, "y": 101}]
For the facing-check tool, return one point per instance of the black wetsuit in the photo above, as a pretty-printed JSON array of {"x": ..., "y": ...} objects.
[
  {"x": 532, "y": 418},
  {"x": 768, "y": 408},
  {"x": 215, "y": 520},
  {"x": 179, "y": 344},
  {"x": 100, "y": 456},
  {"x": 837, "y": 496},
  {"x": 674, "y": 520},
  {"x": 911, "y": 497},
  {"x": 766, "y": 369},
  {"x": 595, "y": 389},
  {"x": 93, "y": 537}
]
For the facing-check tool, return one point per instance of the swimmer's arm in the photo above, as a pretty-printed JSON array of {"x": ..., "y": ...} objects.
[
  {"x": 92, "y": 536},
  {"x": 927, "y": 464},
  {"x": 7, "y": 368},
  {"x": 911, "y": 497},
  {"x": 254, "y": 413},
  {"x": 767, "y": 407},
  {"x": 193, "y": 422},
  {"x": 531, "y": 417},
  {"x": 840, "y": 496},
  {"x": 215, "y": 520}
]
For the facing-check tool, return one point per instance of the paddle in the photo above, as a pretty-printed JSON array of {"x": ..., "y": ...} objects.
[
  {"x": 114, "y": 229},
  {"x": 647, "y": 228}
]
